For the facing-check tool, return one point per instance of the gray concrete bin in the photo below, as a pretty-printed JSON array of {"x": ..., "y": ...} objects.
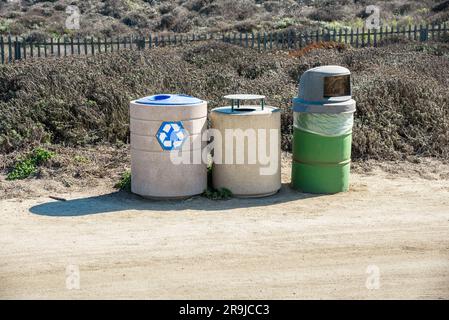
[
  {"x": 160, "y": 125},
  {"x": 245, "y": 178}
]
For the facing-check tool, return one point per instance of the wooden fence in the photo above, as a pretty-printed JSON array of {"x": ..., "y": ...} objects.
[{"x": 14, "y": 48}]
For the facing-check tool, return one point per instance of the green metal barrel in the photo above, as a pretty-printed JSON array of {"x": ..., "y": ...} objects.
[
  {"x": 322, "y": 134},
  {"x": 321, "y": 164}
]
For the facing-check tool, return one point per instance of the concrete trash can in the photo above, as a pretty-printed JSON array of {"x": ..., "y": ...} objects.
[
  {"x": 322, "y": 131},
  {"x": 236, "y": 124},
  {"x": 161, "y": 124}
]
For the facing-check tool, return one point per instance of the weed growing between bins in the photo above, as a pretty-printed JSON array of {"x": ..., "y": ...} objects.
[
  {"x": 124, "y": 182},
  {"x": 217, "y": 194},
  {"x": 212, "y": 193},
  {"x": 28, "y": 165}
]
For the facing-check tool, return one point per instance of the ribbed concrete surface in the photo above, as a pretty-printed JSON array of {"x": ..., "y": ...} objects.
[
  {"x": 245, "y": 180},
  {"x": 154, "y": 175}
]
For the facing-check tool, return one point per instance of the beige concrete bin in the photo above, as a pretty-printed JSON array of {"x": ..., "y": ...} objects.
[
  {"x": 257, "y": 129},
  {"x": 160, "y": 126}
]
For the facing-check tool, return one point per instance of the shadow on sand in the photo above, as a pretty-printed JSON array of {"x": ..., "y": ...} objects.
[{"x": 122, "y": 201}]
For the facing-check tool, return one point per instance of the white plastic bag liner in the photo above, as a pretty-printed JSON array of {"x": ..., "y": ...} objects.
[{"x": 330, "y": 125}]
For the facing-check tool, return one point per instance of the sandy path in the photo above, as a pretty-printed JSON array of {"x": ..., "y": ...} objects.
[{"x": 287, "y": 246}]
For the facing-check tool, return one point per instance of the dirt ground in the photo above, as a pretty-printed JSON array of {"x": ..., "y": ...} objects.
[{"x": 391, "y": 229}]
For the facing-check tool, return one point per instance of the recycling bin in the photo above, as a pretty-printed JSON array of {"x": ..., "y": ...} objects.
[
  {"x": 161, "y": 126},
  {"x": 322, "y": 131},
  {"x": 247, "y": 157}
]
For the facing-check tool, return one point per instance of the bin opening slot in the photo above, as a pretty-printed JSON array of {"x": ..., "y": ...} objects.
[
  {"x": 337, "y": 86},
  {"x": 244, "y": 109}
]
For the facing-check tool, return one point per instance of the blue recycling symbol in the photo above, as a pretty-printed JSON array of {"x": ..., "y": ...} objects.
[{"x": 171, "y": 135}]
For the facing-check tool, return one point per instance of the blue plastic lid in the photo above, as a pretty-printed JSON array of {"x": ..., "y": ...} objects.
[{"x": 169, "y": 100}]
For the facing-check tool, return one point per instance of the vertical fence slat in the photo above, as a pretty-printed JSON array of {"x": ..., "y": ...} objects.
[
  {"x": 9, "y": 49},
  {"x": 271, "y": 40},
  {"x": 15, "y": 48},
  {"x": 24, "y": 48},
  {"x": 2, "y": 49},
  {"x": 264, "y": 41},
  {"x": 375, "y": 37},
  {"x": 363, "y": 37},
  {"x": 45, "y": 48},
  {"x": 32, "y": 49},
  {"x": 59, "y": 47}
]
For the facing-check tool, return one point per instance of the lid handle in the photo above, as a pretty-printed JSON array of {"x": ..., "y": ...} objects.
[{"x": 236, "y": 98}]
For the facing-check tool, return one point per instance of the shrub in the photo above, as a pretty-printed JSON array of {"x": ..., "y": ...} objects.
[
  {"x": 220, "y": 194},
  {"x": 124, "y": 182},
  {"x": 27, "y": 166},
  {"x": 135, "y": 20}
]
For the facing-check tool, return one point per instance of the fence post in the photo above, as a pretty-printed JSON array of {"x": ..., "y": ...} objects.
[
  {"x": 32, "y": 49},
  {"x": 264, "y": 41},
  {"x": 45, "y": 48},
  {"x": 9, "y": 49},
  {"x": 326, "y": 35},
  {"x": 99, "y": 44},
  {"x": 363, "y": 37},
  {"x": 59, "y": 47},
  {"x": 92, "y": 46},
  {"x": 369, "y": 37},
  {"x": 18, "y": 52},
  {"x": 24, "y": 48},
  {"x": 423, "y": 34},
  {"x": 85, "y": 46},
  {"x": 15, "y": 48},
  {"x": 375, "y": 37},
  {"x": 2, "y": 49},
  {"x": 271, "y": 40}
]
